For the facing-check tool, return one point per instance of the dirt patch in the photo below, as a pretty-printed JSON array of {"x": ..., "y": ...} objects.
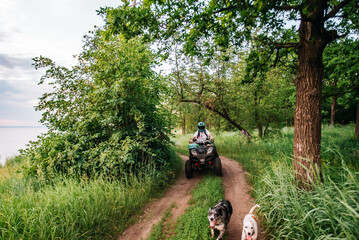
[
  {"x": 179, "y": 194},
  {"x": 236, "y": 190}
]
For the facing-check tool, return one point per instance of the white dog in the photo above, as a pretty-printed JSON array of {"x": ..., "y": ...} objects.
[{"x": 250, "y": 227}]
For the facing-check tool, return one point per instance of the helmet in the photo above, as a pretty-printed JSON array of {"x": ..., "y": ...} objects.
[{"x": 201, "y": 126}]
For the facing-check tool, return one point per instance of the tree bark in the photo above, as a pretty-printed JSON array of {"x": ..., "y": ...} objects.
[
  {"x": 307, "y": 117},
  {"x": 357, "y": 123},
  {"x": 333, "y": 105},
  {"x": 332, "y": 111},
  {"x": 183, "y": 125},
  {"x": 256, "y": 115}
]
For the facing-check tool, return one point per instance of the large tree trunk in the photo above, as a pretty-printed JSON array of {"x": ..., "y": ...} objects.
[
  {"x": 357, "y": 123},
  {"x": 307, "y": 117}
]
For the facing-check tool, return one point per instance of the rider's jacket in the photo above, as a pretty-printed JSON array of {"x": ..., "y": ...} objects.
[{"x": 202, "y": 135}]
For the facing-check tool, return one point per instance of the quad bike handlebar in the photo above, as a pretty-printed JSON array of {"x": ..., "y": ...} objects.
[{"x": 201, "y": 142}]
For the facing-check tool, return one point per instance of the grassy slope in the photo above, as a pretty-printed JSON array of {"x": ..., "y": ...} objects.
[{"x": 71, "y": 209}]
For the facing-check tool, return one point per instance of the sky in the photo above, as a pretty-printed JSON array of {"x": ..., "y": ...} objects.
[{"x": 28, "y": 29}]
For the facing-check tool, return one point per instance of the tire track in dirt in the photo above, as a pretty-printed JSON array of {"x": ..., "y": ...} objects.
[
  {"x": 236, "y": 190},
  {"x": 179, "y": 194}
]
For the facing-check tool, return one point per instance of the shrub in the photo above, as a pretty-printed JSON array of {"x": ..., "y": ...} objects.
[{"x": 104, "y": 116}]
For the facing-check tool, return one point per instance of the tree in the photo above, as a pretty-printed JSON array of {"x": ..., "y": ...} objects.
[
  {"x": 211, "y": 91},
  {"x": 104, "y": 115},
  {"x": 210, "y": 24},
  {"x": 341, "y": 83},
  {"x": 270, "y": 80}
]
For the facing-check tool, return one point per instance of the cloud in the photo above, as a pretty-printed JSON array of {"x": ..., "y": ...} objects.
[
  {"x": 28, "y": 29},
  {"x": 3, "y": 37},
  {"x": 6, "y": 88},
  {"x": 9, "y": 61}
]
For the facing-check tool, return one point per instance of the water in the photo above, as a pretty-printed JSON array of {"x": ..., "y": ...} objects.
[{"x": 12, "y": 139}]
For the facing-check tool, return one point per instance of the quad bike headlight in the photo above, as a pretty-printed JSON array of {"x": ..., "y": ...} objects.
[
  {"x": 209, "y": 150},
  {"x": 194, "y": 152}
]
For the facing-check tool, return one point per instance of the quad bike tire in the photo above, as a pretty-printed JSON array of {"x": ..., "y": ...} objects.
[
  {"x": 218, "y": 167},
  {"x": 188, "y": 169}
]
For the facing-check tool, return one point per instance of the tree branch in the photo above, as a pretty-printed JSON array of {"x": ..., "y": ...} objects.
[
  {"x": 287, "y": 7},
  {"x": 190, "y": 101},
  {"x": 276, "y": 60},
  {"x": 223, "y": 114},
  {"x": 179, "y": 79},
  {"x": 278, "y": 45},
  {"x": 225, "y": 9},
  {"x": 336, "y": 9},
  {"x": 333, "y": 35}
]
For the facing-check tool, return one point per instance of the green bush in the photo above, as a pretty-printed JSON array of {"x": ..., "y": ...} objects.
[{"x": 104, "y": 116}]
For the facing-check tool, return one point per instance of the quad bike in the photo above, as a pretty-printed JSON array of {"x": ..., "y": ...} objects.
[{"x": 202, "y": 155}]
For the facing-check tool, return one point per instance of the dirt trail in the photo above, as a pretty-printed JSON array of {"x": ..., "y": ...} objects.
[
  {"x": 179, "y": 194},
  {"x": 235, "y": 190}
]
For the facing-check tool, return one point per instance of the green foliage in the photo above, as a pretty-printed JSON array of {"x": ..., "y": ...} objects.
[
  {"x": 104, "y": 115},
  {"x": 270, "y": 28},
  {"x": 194, "y": 223},
  {"x": 205, "y": 26},
  {"x": 224, "y": 90},
  {"x": 78, "y": 209},
  {"x": 339, "y": 144},
  {"x": 341, "y": 66},
  {"x": 267, "y": 103}
]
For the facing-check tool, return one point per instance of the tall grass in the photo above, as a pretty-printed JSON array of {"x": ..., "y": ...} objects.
[
  {"x": 73, "y": 209},
  {"x": 339, "y": 144},
  {"x": 330, "y": 211}
]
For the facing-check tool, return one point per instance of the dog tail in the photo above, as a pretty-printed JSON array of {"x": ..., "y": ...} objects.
[{"x": 252, "y": 209}]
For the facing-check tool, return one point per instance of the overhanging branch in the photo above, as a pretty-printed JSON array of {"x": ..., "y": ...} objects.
[
  {"x": 336, "y": 9},
  {"x": 268, "y": 41},
  {"x": 287, "y": 7},
  {"x": 225, "y": 9},
  {"x": 222, "y": 113}
]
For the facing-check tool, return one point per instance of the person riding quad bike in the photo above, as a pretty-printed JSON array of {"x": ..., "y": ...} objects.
[
  {"x": 202, "y": 153},
  {"x": 202, "y": 133}
]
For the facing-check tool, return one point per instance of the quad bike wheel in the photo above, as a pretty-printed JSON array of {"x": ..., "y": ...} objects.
[
  {"x": 188, "y": 169},
  {"x": 218, "y": 167}
]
